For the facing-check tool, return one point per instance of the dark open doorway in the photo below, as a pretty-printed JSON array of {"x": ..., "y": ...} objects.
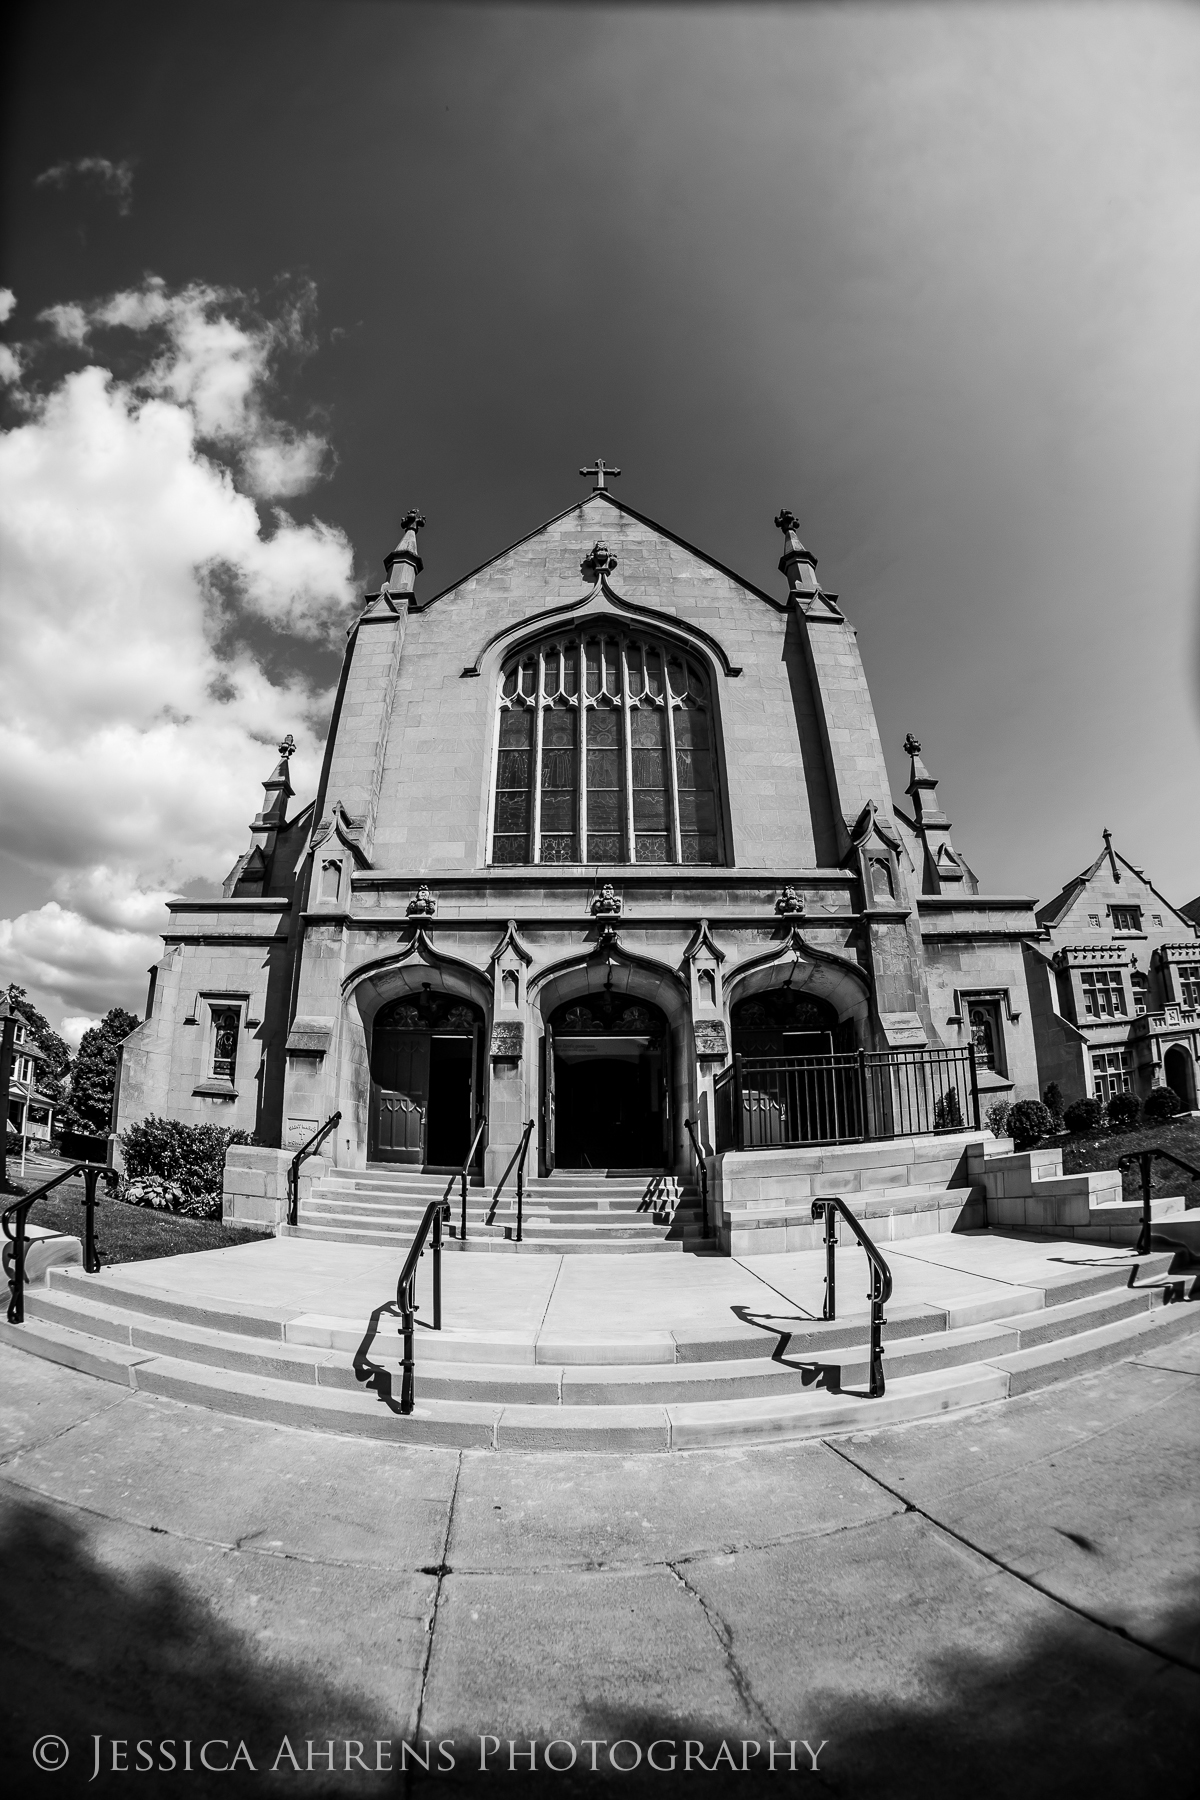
[
  {"x": 425, "y": 1080},
  {"x": 607, "y": 1073}
]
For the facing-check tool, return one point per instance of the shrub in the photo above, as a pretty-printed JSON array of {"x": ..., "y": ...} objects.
[
  {"x": 996, "y": 1117},
  {"x": 947, "y": 1113},
  {"x": 168, "y": 1196},
  {"x": 1161, "y": 1103},
  {"x": 185, "y": 1159},
  {"x": 1052, "y": 1097},
  {"x": 1083, "y": 1116},
  {"x": 1124, "y": 1111},
  {"x": 1028, "y": 1121}
]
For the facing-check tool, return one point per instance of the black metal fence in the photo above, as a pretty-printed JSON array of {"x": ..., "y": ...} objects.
[{"x": 775, "y": 1102}]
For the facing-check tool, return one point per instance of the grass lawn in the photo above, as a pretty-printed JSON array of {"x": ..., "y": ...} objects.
[
  {"x": 127, "y": 1233},
  {"x": 1180, "y": 1136}
]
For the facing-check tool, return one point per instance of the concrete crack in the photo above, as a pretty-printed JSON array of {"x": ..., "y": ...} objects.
[
  {"x": 724, "y": 1637},
  {"x": 440, "y": 1569},
  {"x": 997, "y": 1562},
  {"x": 52, "y": 1437}
]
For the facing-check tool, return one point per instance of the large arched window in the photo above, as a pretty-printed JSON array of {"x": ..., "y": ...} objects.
[{"x": 605, "y": 754}]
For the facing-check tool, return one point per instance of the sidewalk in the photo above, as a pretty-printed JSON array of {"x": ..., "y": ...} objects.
[{"x": 1003, "y": 1602}]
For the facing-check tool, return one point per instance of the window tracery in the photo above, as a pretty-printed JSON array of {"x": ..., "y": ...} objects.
[{"x": 606, "y": 753}]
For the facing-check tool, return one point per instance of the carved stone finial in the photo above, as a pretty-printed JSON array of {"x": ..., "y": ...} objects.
[
  {"x": 787, "y": 520},
  {"x": 598, "y": 561},
  {"x": 288, "y": 747},
  {"x": 423, "y": 905},
  {"x": 789, "y": 903},
  {"x": 607, "y": 902},
  {"x": 413, "y": 519},
  {"x": 912, "y": 745}
]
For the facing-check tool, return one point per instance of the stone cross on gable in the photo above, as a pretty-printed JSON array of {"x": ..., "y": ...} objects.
[{"x": 600, "y": 470}]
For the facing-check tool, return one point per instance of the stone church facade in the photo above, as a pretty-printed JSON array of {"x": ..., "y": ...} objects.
[{"x": 602, "y": 844}]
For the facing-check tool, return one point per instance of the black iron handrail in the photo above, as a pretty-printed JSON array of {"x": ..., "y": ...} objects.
[
  {"x": 461, "y": 1175},
  {"x": 518, "y": 1157},
  {"x": 406, "y": 1291},
  {"x": 881, "y": 1281},
  {"x": 20, "y": 1209},
  {"x": 310, "y": 1149},
  {"x": 690, "y": 1126},
  {"x": 1146, "y": 1157}
]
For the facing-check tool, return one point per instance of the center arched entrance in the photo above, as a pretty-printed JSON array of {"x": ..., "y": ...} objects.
[
  {"x": 426, "y": 1079},
  {"x": 606, "y": 1079}
]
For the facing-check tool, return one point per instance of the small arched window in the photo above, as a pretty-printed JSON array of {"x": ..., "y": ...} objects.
[{"x": 606, "y": 754}]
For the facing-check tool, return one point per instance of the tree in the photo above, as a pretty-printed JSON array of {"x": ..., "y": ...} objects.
[
  {"x": 94, "y": 1071},
  {"x": 51, "y": 1076}
]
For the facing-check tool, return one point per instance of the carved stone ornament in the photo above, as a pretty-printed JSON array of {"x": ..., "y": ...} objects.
[
  {"x": 508, "y": 1040},
  {"x": 423, "y": 905},
  {"x": 413, "y": 519},
  {"x": 787, "y": 520},
  {"x": 598, "y": 561},
  {"x": 607, "y": 902},
  {"x": 789, "y": 903},
  {"x": 711, "y": 1039},
  {"x": 288, "y": 747}
]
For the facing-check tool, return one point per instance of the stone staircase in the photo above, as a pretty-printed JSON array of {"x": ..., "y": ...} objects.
[
  {"x": 731, "y": 1380},
  {"x": 585, "y": 1211}
]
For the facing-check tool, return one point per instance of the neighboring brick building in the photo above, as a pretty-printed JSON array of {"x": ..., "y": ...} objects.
[
  {"x": 591, "y": 822},
  {"x": 1114, "y": 982}
]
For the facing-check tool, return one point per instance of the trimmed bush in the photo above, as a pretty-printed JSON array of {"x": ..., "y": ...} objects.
[
  {"x": 1028, "y": 1121},
  {"x": 1161, "y": 1103},
  {"x": 1052, "y": 1097},
  {"x": 1124, "y": 1111},
  {"x": 996, "y": 1117},
  {"x": 187, "y": 1161},
  {"x": 1083, "y": 1116}
]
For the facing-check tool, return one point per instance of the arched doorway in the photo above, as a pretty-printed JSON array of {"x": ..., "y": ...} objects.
[
  {"x": 791, "y": 1078},
  {"x": 606, "y": 1077},
  {"x": 426, "y": 1079},
  {"x": 1179, "y": 1073}
]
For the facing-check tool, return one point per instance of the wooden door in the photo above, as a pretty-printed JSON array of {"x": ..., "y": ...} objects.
[{"x": 400, "y": 1096}]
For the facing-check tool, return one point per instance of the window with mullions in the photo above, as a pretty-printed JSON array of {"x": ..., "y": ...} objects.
[
  {"x": 605, "y": 753},
  {"x": 1103, "y": 993},
  {"x": 1188, "y": 975}
]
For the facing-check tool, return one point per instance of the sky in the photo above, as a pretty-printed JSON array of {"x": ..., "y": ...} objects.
[{"x": 929, "y": 275}]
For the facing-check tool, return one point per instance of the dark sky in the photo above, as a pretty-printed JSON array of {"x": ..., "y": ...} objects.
[{"x": 930, "y": 275}]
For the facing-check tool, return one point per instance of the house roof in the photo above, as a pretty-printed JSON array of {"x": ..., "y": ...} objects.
[{"x": 1052, "y": 912}]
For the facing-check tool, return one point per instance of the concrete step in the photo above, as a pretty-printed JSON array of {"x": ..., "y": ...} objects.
[{"x": 666, "y": 1392}]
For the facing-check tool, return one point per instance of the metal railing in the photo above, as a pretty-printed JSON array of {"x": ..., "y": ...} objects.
[
  {"x": 1145, "y": 1158},
  {"x": 690, "y": 1126},
  {"x": 406, "y": 1292},
  {"x": 881, "y": 1281},
  {"x": 309, "y": 1149},
  {"x": 779, "y": 1102},
  {"x": 19, "y": 1210},
  {"x": 517, "y": 1159},
  {"x": 461, "y": 1175}
]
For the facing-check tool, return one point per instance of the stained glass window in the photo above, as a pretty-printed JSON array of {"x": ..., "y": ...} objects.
[
  {"x": 605, "y": 753},
  {"x": 225, "y": 1023}
]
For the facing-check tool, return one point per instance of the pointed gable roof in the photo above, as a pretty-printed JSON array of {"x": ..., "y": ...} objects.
[
  {"x": 1054, "y": 911},
  {"x": 596, "y": 502}
]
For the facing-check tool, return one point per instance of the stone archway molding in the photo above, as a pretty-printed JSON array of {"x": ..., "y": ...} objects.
[{"x": 839, "y": 980}]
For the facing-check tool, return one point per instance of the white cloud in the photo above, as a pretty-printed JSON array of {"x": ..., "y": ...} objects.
[
  {"x": 73, "y": 1026},
  {"x": 114, "y": 178},
  {"x": 10, "y": 366},
  {"x": 7, "y": 301},
  {"x": 132, "y": 744}
]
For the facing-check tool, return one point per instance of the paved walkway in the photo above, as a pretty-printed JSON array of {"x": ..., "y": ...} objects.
[
  {"x": 1002, "y": 1602},
  {"x": 556, "y": 1298}
]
